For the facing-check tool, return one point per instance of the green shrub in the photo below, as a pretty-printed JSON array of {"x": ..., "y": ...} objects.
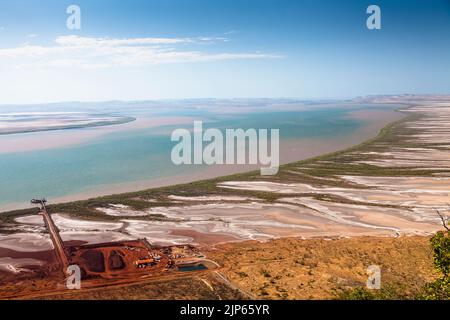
[
  {"x": 440, "y": 243},
  {"x": 439, "y": 289}
]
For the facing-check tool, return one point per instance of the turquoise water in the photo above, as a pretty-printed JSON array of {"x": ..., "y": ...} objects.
[
  {"x": 192, "y": 268},
  {"x": 124, "y": 157}
]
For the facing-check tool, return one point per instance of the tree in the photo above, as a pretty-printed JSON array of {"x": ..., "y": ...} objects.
[{"x": 440, "y": 243}]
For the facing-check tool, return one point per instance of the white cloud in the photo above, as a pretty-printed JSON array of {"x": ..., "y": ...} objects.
[
  {"x": 77, "y": 41},
  {"x": 89, "y": 52}
]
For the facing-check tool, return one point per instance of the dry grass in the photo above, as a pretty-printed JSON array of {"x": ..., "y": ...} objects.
[{"x": 316, "y": 268}]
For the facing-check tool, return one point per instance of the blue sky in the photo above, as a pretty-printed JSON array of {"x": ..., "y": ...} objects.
[{"x": 137, "y": 50}]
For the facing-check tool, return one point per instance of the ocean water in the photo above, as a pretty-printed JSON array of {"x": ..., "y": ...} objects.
[{"x": 144, "y": 154}]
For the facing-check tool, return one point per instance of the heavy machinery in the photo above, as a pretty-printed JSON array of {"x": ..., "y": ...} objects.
[
  {"x": 40, "y": 202},
  {"x": 143, "y": 263}
]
